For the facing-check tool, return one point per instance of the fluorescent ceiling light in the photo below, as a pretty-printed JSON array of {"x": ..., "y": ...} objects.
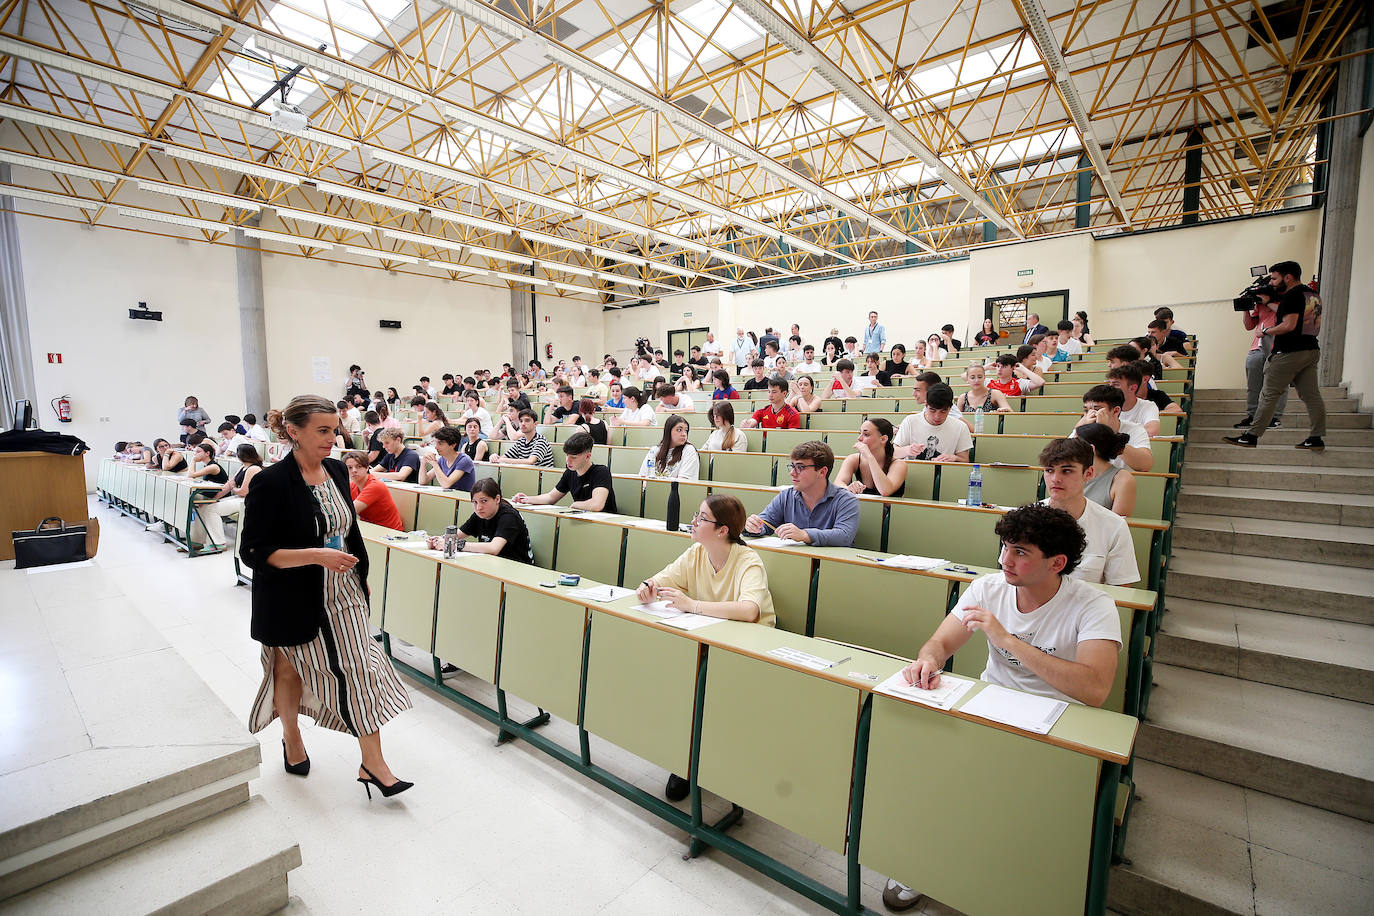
[
  {"x": 732, "y": 257},
  {"x": 518, "y": 278},
  {"x": 416, "y": 164},
  {"x": 285, "y": 239},
  {"x": 47, "y": 197},
  {"x": 552, "y": 266},
  {"x": 320, "y": 219},
  {"x": 499, "y": 255},
  {"x": 530, "y": 235},
  {"x": 71, "y": 126},
  {"x": 617, "y": 278},
  {"x": 419, "y": 239},
  {"x": 367, "y": 197},
  {"x": 231, "y": 165},
  {"x": 381, "y": 255},
  {"x": 487, "y": 18},
  {"x": 209, "y": 197},
  {"x": 65, "y": 168},
  {"x": 176, "y": 10},
  {"x": 678, "y": 240},
  {"x": 549, "y": 203},
  {"x": 159, "y": 217},
  {"x": 335, "y": 67},
  {"x": 99, "y": 72},
  {"x": 463, "y": 219}
]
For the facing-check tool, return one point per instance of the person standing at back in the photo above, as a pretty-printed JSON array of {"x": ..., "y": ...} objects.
[
  {"x": 1033, "y": 327},
  {"x": 875, "y": 335},
  {"x": 1294, "y": 360}
]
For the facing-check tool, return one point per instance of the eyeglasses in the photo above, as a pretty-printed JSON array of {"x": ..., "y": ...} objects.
[
  {"x": 701, "y": 518},
  {"x": 793, "y": 466}
]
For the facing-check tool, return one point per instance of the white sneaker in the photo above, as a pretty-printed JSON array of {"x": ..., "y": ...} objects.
[{"x": 897, "y": 897}]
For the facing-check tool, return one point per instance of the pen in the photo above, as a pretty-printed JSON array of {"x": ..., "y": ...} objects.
[
  {"x": 874, "y": 559},
  {"x": 842, "y": 661}
]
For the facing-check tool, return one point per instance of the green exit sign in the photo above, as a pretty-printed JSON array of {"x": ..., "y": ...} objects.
[{"x": 1025, "y": 273}]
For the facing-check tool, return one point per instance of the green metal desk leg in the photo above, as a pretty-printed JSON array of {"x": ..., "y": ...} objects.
[
  {"x": 856, "y": 803},
  {"x": 1103, "y": 821}
]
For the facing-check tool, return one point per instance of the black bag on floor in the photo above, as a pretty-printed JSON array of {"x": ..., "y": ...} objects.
[{"x": 47, "y": 546}]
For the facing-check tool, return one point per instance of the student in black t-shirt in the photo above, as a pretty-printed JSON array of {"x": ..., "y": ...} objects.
[
  {"x": 1294, "y": 359},
  {"x": 760, "y": 380},
  {"x": 565, "y": 411},
  {"x": 589, "y": 421},
  {"x": 1164, "y": 341},
  {"x": 495, "y": 526},
  {"x": 590, "y": 484}
]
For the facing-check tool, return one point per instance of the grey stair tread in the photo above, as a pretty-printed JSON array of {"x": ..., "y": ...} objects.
[
  {"x": 1270, "y": 495},
  {"x": 1333, "y": 642},
  {"x": 1328, "y": 391},
  {"x": 1335, "y": 419},
  {"x": 1274, "y": 468},
  {"x": 1287, "y": 573},
  {"x": 1319, "y": 731},
  {"x": 1242, "y": 850},
  {"x": 1314, "y": 531},
  {"x": 246, "y": 840},
  {"x": 1288, "y": 435}
]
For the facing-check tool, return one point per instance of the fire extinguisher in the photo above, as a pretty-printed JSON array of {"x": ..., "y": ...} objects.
[
  {"x": 548, "y": 351},
  {"x": 63, "y": 407}
]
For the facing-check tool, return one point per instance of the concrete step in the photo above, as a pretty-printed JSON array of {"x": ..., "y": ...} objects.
[
  {"x": 1312, "y": 542},
  {"x": 1329, "y": 657},
  {"x": 1294, "y": 408},
  {"x": 1290, "y": 434},
  {"x": 1209, "y": 394},
  {"x": 234, "y": 862},
  {"x": 1278, "y": 478},
  {"x": 1302, "y": 746},
  {"x": 1210, "y": 449},
  {"x": 1294, "y": 587},
  {"x": 1277, "y": 504},
  {"x": 1295, "y": 416},
  {"x": 1196, "y": 847}
]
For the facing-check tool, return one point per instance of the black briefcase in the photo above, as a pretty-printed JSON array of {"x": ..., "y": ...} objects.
[{"x": 47, "y": 546}]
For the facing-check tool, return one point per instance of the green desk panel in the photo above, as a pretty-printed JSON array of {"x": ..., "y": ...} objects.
[
  {"x": 376, "y": 579},
  {"x": 542, "y": 526},
  {"x": 1013, "y": 816},
  {"x": 409, "y": 613},
  {"x": 920, "y": 480},
  {"x": 789, "y": 579},
  {"x": 589, "y": 549},
  {"x": 1008, "y": 487},
  {"x": 690, "y": 493},
  {"x": 541, "y": 650},
  {"x": 629, "y": 495},
  {"x": 647, "y": 551},
  {"x": 782, "y": 441},
  {"x": 742, "y": 467},
  {"x": 870, "y": 536},
  {"x": 641, "y": 690},
  {"x": 407, "y": 501},
  {"x": 908, "y": 609},
  {"x": 436, "y": 512},
  {"x": 469, "y": 619},
  {"x": 180, "y": 506},
  {"x": 780, "y": 743},
  {"x": 641, "y": 437},
  {"x": 755, "y": 499},
  {"x": 948, "y": 532},
  {"x": 517, "y": 478},
  {"x": 1149, "y": 496}
]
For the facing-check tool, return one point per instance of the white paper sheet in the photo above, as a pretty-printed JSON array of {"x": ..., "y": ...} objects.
[
  {"x": 772, "y": 541},
  {"x": 658, "y": 609},
  {"x": 942, "y": 697},
  {"x": 805, "y": 659},
  {"x": 692, "y": 621},
  {"x": 910, "y": 561},
  {"x": 1012, "y": 707},
  {"x": 601, "y": 593}
]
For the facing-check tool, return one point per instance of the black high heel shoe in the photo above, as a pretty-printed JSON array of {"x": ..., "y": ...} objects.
[
  {"x": 295, "y": 769},
  {"x": 396, "y": 788}
]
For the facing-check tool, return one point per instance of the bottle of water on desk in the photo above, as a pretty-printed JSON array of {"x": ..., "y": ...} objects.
[
  {"x": 978, "y": 420},
  {"x": 975, "y": 487}
]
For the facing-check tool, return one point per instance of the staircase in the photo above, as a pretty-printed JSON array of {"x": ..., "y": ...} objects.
[{"x": 1255, "y": 761}]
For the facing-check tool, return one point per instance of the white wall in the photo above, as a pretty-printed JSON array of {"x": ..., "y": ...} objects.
[
  {"x": 126, "y": 379},
  {"x": 1062, "y": 263},
  {"x": 706, "y": 309},
  {"x": 1359, "y": 327},
  {"x": 1197, "y": 271}
]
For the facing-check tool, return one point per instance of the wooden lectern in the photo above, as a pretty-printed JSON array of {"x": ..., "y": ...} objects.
[{"x": 36, "y": 485}]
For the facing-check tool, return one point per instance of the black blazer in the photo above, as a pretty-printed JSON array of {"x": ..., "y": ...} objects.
[
  {"x": 280, "y": 513},
  {"x": 1038, "y": 329}
]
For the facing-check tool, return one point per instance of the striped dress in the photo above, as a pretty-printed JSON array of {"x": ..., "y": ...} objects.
[{"x": 348, "y": 684}]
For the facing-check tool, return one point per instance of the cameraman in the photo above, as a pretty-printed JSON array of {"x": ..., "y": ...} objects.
[
  {"x": 1259, "y": 319},
  {"x": 1294, "y": 360}
]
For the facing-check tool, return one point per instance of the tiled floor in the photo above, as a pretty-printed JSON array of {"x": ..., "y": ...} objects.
[{"x": 485, "y": 830}]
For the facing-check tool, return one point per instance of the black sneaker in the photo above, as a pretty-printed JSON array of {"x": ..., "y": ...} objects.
[
  {"x": 1244, "y": 440},
  {"x": 676, "y": 789},
  {"x": 449, "y": 668},
  {"x": 1275, "y": 423},
  {"x": 1244, "y": 424},
  {"x": 1312, "y": 443}
]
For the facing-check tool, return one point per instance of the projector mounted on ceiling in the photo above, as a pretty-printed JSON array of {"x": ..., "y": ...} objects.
[{"x": 289, "y": 119}]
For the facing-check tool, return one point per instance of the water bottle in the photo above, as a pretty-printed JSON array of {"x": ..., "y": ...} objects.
[
  {"x": 975, "y": 487},
  {"x": 674, "y": 507},
  {"x": 978, "y": 420},
  {"x": 450, "y": 542}
]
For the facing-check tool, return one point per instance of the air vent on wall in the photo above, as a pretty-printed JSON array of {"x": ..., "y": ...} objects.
[{"x": 390, "y": 325}]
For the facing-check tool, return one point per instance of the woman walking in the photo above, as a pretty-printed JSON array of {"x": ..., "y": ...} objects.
[{"x": 310, "y": 600}]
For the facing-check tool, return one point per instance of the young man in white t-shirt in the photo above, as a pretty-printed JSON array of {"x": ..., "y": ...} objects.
[
  {"x": 932, "y": 434},
  {"x": 808, "y": 363},
  {"x": 1102, "y": 404},
  {"x": 1048, "y": 634},
  {"x": 1110, "y": 555},
  {"x": 1127, "y": 379},
  {"x": 670, "y": 400},
  {"x": 1066, "y": 341}
]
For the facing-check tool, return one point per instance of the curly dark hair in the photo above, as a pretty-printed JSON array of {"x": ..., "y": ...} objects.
[{"x": 1051, "y": 531}]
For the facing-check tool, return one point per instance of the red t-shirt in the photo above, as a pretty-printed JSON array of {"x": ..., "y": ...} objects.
[
  {"x": 381, "y": 508},
  {"x": 787, "y": 418},
  {"x": 1012, "y": 388}
]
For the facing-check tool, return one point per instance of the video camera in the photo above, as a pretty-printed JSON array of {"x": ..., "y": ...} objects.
[
  {"x": 1249, "y": 297},
  {"x": 643, "y": 347}
]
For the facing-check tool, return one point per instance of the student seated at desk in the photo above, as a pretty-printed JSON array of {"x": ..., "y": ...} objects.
[
  {"x": 165, "y": 458},
  {"x": 370, "y": 495},
  {"x": 564, "y": 411},
  {"x": 530, "y": 447},
  {"x": 670, "y": 400},
  {"x": 1102, "y": 404},
  {"x": 399, "y": 462},
  {"x": 813, "y": 510},
  {"x": 1128, "y": 379},
  {"x": 802, "y": 395},
  {"x": 229, "y": 439},
  {"x": 776, "y": 414},
  {"x": 188, "y": 429},
  {"x": 724, "y": 391},
  {"x": 724, "y": 437},
  {"x": 717, "y": 576},
  {"x": 760, "y": 379},
  {"x": 979, "y": 395},
  {"x": 449, "y": 467},
  {"x": 674, "y": 456},
  {"x": 1109, "y": 486},
  {"x": 637, "y": 411},
  {"x": 616, "y": 399},
  {"x": 591, "y": 424},
  {"x": 1014, "y": 379},
  {"x": 495, "y": 525},
  {"x": 476, "y": 411},
  {"x": 203, "y": 464},
  {"x": 1048, "y": 634},
  {"x": 844, "y": 385},
  {"x": 1109, "y": 555},
  {"x": 590, "y": 484},
  {"x": 932, "y": 434},
  {"x": 229, "y": 500},
  {"x": 873, "y": 469}
]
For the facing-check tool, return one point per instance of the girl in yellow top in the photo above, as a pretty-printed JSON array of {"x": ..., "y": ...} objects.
[{"x": 718, "y": 575}]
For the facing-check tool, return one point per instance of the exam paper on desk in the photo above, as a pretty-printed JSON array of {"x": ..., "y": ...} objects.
[
  {"x": 773, "y": 541},
  {"x": 1012, "y": 707},
  {"x": 942, "y": 697}
]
